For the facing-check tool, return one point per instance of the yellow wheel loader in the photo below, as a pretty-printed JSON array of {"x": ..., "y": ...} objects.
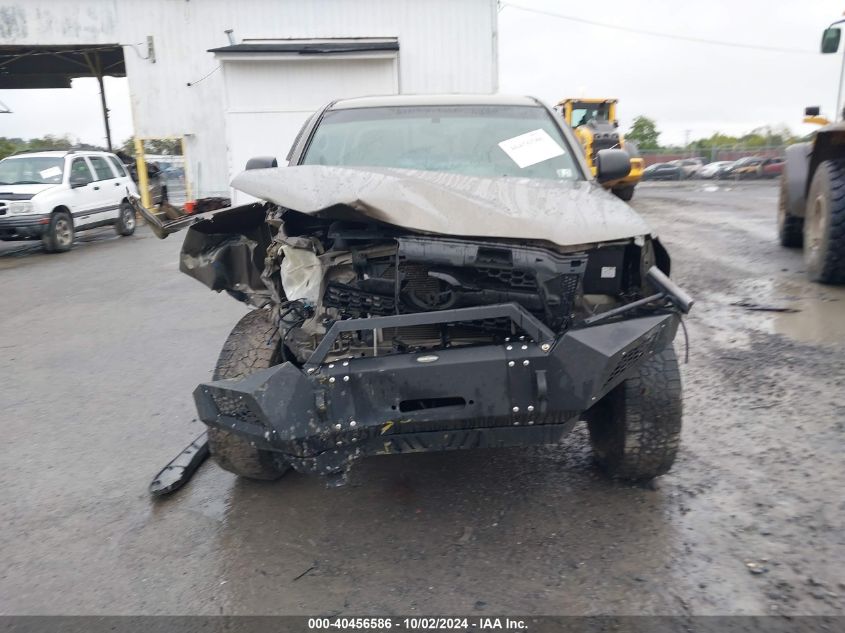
[
  {"x": 811, "y": 211},
  {"x": 595, "y": 124}
]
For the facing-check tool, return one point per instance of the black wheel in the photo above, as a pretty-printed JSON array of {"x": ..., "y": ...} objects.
[
  {"x": 125, "y": 224},
  {"x": 253, "y": 344},
  {"x": 790, "y": 227},
  {"x": 824, "y": 224},
  {"x": 624, "y": 193},
  {"x": 635, "y": 430},
  {"x": 58, "y": 237}
]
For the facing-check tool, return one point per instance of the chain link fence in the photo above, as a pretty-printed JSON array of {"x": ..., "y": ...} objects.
[{"x": 712, "y": 154}]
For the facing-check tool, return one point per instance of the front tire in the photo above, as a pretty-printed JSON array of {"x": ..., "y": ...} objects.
[
  {"x": 824, "y": 224},
  {"x": 253, "y": 344},
  {"x": 635, "y": 430},
  {"x": 790, "y": 227},
  {"x": 126, "y": 223},
  {"x": 58, "y": 238}
]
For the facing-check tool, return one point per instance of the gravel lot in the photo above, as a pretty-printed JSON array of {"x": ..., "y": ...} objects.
[{"x": 101, "y": 347}]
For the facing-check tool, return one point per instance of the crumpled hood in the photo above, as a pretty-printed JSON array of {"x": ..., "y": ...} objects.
[{"x": 563, "y": 213}]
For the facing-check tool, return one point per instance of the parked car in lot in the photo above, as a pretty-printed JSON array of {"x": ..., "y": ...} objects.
[
  {"x": 771, "y": 168},
  {"x": 663, "y": 171},
  {"x": 53, "y": 195},
  {"x": 690, "y": 166},
  {"x": 428, "y": 287},
  {"x": 749, "y": 169},
  {"x": 715, "y": 169},
  {"x": 156, "y": 178},
  {"x": 739, "y": 167}
]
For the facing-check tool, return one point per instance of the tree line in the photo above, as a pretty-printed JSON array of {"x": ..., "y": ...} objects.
[
  {"x": 645, "y": 134},
  {"x": 9, "y": 146}
]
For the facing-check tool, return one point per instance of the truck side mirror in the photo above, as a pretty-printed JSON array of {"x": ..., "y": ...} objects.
[
  {"x": 262, "y": 162},
  {"x": 78, "y": 180},
  {"x": 612, "y": 164},
  {"x": 830, "y": 39}
]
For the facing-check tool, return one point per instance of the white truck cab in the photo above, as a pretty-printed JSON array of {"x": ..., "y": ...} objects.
[{"x": 52, "y": 195}]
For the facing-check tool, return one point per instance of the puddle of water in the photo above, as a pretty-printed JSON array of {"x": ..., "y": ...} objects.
[
  {"x": 820, "y": 320},
  {"x": 820, "y": 316}
]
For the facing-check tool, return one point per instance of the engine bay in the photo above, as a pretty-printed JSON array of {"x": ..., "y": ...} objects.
[{"x": 325, "y": 270}]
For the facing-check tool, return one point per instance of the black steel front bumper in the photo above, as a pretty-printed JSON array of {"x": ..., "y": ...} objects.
[
  {"x": 530, "y": 390},
  {"x": 23, "y": 226}
]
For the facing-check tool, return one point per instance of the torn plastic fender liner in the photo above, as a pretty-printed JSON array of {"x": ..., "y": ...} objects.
[
  {"x": 226, "y": 251},
  {"x": 223, "y": 248},
  {"x": 396, "y": 403}
]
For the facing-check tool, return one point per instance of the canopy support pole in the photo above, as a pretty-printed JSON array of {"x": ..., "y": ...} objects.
[{"x": 97, "y": 71}]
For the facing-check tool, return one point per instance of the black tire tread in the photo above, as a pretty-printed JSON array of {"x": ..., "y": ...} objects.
[
  {"x": 790, "y": 227},
  {"x": 635, "y": 430},
  {"x": 48, "y": 240},
  {"x": 832, "y": 270},
  {"x": 119, "y": 226},
  {"x": 253, "y": 344}
]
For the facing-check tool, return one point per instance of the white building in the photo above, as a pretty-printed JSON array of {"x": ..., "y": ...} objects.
[{"x": 246, "y": 93}]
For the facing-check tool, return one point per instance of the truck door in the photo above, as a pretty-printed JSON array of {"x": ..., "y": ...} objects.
[
  {"x": 82, "y": 199},
  {"x": 106, "y": 189}
]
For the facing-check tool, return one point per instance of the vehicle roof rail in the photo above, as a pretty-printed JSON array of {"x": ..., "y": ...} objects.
[{"x": 35, "y": 150}]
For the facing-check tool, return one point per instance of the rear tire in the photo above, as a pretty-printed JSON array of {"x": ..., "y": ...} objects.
[
  {"x": 635, "y": 430},
  {"x": 58, "y": 238},
  {"x": 790, "y": 227},
  {"x": 126, "y": 222},
  {"x": 824, "y": 224},
  {"x": 624, "y": 193},
  {"x": 253, "y": 344}
]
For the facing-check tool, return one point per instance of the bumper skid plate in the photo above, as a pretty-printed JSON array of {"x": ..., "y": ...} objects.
[{"x": 323, "y": 416}]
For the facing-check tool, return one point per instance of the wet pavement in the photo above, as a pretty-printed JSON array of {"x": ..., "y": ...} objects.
[{"x": 101, "y": 347}]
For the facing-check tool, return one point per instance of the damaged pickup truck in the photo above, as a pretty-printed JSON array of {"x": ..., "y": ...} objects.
[{"x": 436, "y": 273}]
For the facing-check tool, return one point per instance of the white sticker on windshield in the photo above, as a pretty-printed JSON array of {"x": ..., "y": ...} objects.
[
  {"x": 531, "y": 148},
  {"x": 50, "y": 172}
]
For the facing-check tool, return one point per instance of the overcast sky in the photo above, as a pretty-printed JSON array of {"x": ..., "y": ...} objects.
[{"x": 682, "y": 85}]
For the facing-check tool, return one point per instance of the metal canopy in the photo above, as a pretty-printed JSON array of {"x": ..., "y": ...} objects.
[
  {"x": 313, "y": 47},
  {"x": 23, "y": 67},
  {"x": 54, "y": 66}
]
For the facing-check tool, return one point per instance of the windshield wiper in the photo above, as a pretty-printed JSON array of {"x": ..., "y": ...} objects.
[{"x": 27, "y": 182}]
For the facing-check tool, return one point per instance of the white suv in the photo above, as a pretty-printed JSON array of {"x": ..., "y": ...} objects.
[{"x": 52, "y": 195}]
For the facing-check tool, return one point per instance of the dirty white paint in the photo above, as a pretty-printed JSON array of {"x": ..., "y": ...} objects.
[{"x": 445, "y": 46}]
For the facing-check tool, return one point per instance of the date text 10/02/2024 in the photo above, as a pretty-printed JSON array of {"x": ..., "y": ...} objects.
[{"x": 418, "y": 624}]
